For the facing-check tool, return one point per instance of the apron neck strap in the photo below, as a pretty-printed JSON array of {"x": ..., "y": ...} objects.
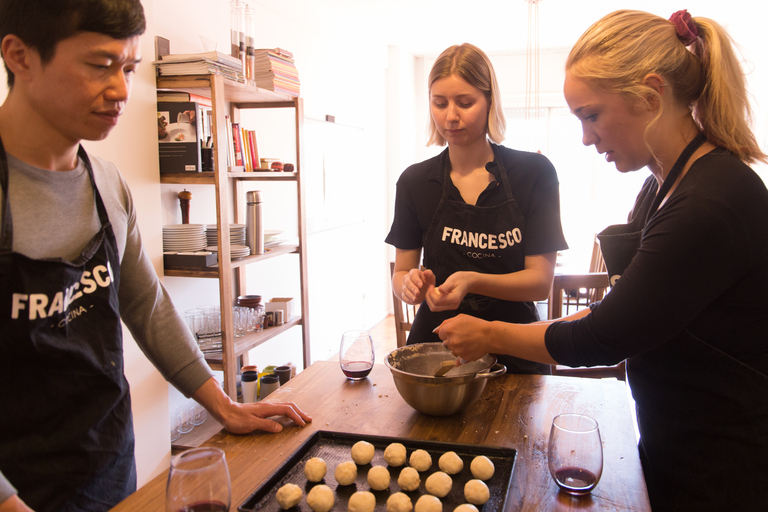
[
  {"x": 676, "y": 170},
  {"x": 497, "y": 160},
  {"x": 6, "y": 228}
]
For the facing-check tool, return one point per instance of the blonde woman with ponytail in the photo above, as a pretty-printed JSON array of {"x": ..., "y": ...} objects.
[{"x": 688, "y": 308}]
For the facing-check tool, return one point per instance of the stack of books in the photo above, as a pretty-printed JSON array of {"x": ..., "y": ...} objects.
[
  {"x": 201, "y": 64},
  {"x": 276, "y": 71}
]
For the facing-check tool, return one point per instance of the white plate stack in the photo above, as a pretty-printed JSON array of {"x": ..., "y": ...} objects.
[
  {"x": 184, "y": 238},
  {"x": 237, "y": 246},
  {"x": 236, "y": 234},
  {"x": 271, "y": 238}
]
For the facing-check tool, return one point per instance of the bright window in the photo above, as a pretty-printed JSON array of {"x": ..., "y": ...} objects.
[{"x": 593, "y": 194}]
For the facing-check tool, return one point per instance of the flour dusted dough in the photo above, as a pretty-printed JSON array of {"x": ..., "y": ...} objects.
[
  {"x": 420, "y": 460},
  {"x": 482, "y": 468},
  {"x": 395, "y": 454},
  {"x": 315, "y": 469},
  {"x": 450, "y": 463},
  {"x": 476, "y": 492},
  {"x": 346, "y": 473},
  {"x": 362, "y": 501},
  {"x": 289, "y": 496},
  {"x": 320, "y": 498},
  {"x": 465, "y": 507},
  {"x": 378, "y": 478},
  {"x": 399, "y": 502},
  {"x": 362, "y": 452},
  {"x": 438, "y": 484},
  {"x": 409, "y": 479},
  {"x": 428, "y": 503}
]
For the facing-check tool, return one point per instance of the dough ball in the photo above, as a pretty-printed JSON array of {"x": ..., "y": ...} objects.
[
  {"x": 420, "y": 460},
  {"x": 315, "y": 469},
  {"x": 362, "y": 452},
  {"x": 438, "y": 484},
  {"x": 320, "y": 498},
  {"x": 428, "y": 503},
  {"x": 362, "y": 501},
  {"x": 289, "y": 496},
  {"x": 399, "y": 502},
  {"x": 395, "y": 455},
  {"x": 450, "y": 463},
  {"x": 482, "y": 468},
  {"x": 409, "y": 479},
  {"x": 476, "y": 492},
  {"x": 378, "y": 478},
  {"x": 346, "y": 473},
  {"x": 465, "y": 507}
]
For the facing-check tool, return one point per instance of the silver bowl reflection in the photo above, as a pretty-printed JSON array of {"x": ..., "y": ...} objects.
[{"x": 413, "y": 368}]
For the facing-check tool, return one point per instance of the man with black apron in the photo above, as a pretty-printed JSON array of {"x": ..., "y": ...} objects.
[{"x": 72, "y": 267}]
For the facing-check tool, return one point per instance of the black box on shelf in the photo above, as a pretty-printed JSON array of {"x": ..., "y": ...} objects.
[
  {"x": 180, "y": 130},
  {"x": 203, "y": 259}
]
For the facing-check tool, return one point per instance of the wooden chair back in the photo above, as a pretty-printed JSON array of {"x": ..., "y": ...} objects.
[
  {"x": 573, "y": 292},
  {"x": 404, "y": 314}
]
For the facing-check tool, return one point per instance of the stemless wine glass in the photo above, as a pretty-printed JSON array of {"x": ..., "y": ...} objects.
[
  {"x": 356, "y": 355},
  {"x": 198, "y": 481},
  {"x": 575, "y": 453}
]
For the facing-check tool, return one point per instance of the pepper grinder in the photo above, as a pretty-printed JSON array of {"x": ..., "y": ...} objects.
[
  {"x": 184, "y": 199},
  {"x": 254, "y": 231}
]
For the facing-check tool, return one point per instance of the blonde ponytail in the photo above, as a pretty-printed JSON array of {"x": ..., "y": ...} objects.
[{"x": 620, "y": 50}]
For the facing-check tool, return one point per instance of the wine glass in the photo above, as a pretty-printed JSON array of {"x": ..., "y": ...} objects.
[
  {"x": 356, "y": 355},
  {"x": 575, "y": 453},
  {"x": 198, "y": 481}
]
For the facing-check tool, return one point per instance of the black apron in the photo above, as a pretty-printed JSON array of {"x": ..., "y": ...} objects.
[
  {"x": 702, "y": 414},
  {"x": 488, "y": 240},
  {"x": 66, "y": 432}
]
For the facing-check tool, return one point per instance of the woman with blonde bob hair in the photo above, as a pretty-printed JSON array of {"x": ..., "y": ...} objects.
[
  {"x": 473, "y": 65},
  {"x": 487, "y": 217},
  {"x": 688, "y": 308}
]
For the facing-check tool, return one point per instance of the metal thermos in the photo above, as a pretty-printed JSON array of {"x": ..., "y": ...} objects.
[{"x": 254, "y": 230}]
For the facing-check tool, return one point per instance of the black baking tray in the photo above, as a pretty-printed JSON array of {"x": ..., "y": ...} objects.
[{"x": 335, "y": 448}]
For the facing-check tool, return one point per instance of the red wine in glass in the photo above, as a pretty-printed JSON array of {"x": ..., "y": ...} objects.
[
  {"x": 205, "y": 506},
  {"x": 575, "y": 480},
  {"x": 356, "y": 369}
]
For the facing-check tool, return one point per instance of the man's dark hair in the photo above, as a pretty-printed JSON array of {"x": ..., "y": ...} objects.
[{"x": 41, "y": 24}]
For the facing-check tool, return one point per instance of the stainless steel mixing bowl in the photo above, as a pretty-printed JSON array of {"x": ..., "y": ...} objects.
[{"x": 413, "y": 368}]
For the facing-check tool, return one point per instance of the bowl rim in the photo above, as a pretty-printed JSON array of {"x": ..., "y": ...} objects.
[{"x": 431, "y": 378}]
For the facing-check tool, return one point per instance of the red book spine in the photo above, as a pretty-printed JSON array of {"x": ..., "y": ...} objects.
[{"x": 238, "y": 143}]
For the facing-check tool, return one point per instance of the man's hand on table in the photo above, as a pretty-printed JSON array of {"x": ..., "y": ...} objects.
[
  {"x": 240, "y": 418},
  {"x": 14, "y": 504}
]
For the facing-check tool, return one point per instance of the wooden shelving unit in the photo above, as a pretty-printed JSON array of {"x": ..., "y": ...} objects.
[{"x": 229, "y": 98}]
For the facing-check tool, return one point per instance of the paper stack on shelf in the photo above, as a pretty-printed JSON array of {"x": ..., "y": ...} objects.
[
  {"x": 201, "y": 64},
  {"x": 276, "y": 71}
]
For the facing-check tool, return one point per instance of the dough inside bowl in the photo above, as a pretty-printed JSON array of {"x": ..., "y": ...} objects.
[{"x": 425, "y": 359}]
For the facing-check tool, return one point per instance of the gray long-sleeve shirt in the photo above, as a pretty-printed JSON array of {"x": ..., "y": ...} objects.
[{"x": 54, "y": 215}]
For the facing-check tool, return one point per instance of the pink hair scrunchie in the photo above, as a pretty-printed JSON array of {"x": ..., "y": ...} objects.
[{"x": 687, "y": 32}]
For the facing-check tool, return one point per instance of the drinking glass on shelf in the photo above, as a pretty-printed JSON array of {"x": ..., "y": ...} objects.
[
  {"x": 356, "y": 354},
  {"x": 198, "y": 481},
  {"x": 575, "y": 453},
  {"x": 186, "y": 416}
]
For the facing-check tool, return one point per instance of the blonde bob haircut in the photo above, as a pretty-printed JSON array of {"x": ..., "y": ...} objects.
[
  {"x": 619, "y": 51},
  {"x": 471, "y": 64}
]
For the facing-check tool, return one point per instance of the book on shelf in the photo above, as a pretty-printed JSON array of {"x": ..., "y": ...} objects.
[
  {"x": 181, "y": 129},
  {"x": 244, "y": 148},
  {"x": 212, "y": 56},
  {"x": 200, "y": 67},
  {"x": 274, "y": 70},
  {"x": 182, "y": 96}
]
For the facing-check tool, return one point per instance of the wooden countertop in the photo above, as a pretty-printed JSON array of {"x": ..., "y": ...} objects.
[{"x": 514, "y": 411}]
